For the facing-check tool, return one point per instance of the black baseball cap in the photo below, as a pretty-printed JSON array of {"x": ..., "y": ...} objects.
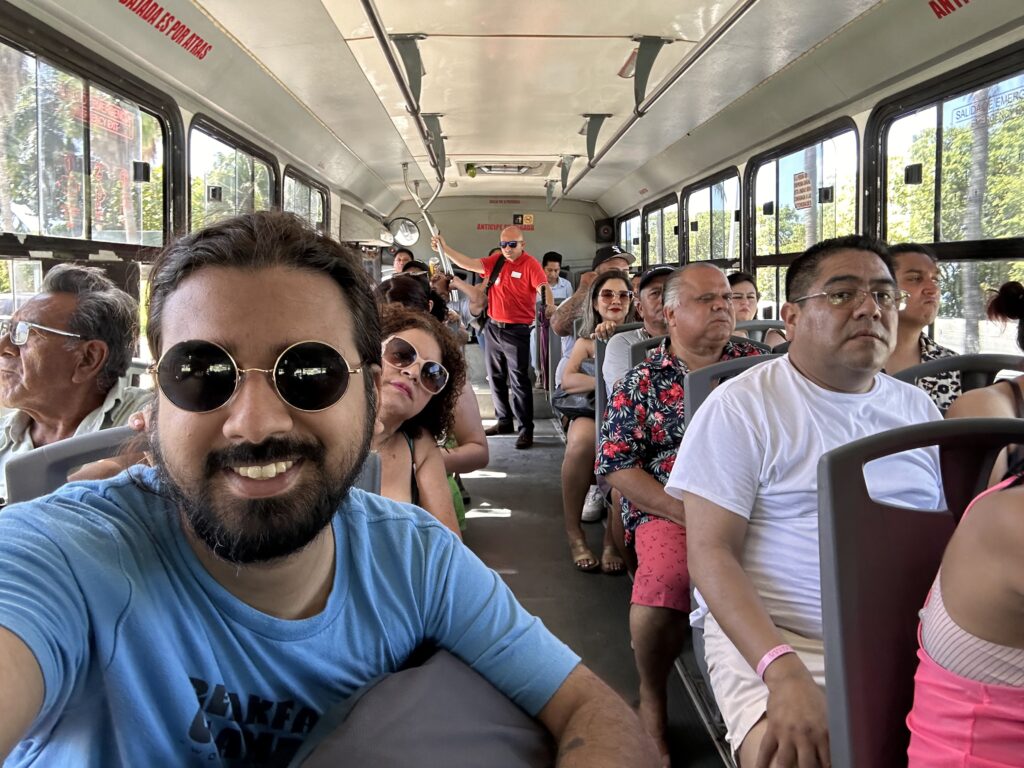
[
  {"x": 653, "y": 274},
  {"x": 611, "y": 252}
]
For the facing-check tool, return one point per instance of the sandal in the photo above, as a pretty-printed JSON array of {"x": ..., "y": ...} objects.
[
  {"x": 611, "y": 563},
  {"x": 582, "y": 557}
]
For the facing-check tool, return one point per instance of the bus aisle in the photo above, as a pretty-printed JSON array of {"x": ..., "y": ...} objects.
[{"x": 514, "y": 524}]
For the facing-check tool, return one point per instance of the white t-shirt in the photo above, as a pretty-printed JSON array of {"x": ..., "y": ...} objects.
[{"x": 753, "y": 448}]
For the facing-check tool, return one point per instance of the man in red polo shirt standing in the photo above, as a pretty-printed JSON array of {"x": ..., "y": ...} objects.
[{"x": 510, "y": 313}]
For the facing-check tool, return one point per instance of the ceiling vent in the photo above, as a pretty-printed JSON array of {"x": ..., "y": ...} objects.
[{"x": 539, "y": 168}]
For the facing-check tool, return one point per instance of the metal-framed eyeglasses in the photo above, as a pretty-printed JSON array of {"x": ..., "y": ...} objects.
[
  {"x": 885, "y": 298},
  {"x": 19, "y": 331}
]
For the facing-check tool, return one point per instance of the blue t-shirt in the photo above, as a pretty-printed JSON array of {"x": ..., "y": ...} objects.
[{"x": 148, "y": 660}]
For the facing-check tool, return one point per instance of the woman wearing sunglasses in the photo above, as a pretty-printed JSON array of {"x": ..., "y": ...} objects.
[
  {"x": 423, "y": 372},
  {"x": 609, "y": 301}
]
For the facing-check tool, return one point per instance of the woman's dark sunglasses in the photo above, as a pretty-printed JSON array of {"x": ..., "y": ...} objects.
[
  {"x": 400, "y": 353},
  {"x": 200, "y": 376}
]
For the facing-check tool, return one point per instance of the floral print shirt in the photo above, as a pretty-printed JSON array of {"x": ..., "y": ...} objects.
[
  {"x": 643, "y": 424},
  {"x": 944, "y": 388}
]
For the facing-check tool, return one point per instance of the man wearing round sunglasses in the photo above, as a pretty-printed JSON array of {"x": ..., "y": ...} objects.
[
  {"x": 747, "y": 473},
  {"x": 511, "y": 311},
  {"x": 214, "y": 607},
  {"x": 63, "y": 356}
]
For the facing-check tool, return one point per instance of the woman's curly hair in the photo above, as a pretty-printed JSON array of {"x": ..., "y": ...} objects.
[{"x": 438, "y": 414}]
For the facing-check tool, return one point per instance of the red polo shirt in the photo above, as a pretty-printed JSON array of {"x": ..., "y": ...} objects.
[{"x": 513, "y": 297}]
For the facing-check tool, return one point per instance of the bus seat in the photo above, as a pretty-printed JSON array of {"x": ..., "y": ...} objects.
[
  {"x": 600, "y": 393},
  {"x": 877, "y": 564},
  {"x": 136, "y": 370},
  {"x": 554, "y": 355},
  {"x": 781, "y": 349},
  {"x": 45, "y": 469},
  {"x": 638, "y": 349},
  {"x": 976, "y": 371},
  {"x": 758, "y": 328},
  {"x": 698, "y": 384}
]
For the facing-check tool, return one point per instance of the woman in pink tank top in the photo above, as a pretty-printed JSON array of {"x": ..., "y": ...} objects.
[{"x": 969, "y": 689}]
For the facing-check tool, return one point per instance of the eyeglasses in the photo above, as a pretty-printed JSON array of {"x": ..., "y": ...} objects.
[
  {"x": 887, "y": 298},
  {"x": 200, "y": 376},
  {"x": 607, "y": 294},
  {"x": 18, "y": 331},
  {"x": 509, "y": 243},
  {"x": 401, "y": 354},
  {"x": 744, "y": 297}
]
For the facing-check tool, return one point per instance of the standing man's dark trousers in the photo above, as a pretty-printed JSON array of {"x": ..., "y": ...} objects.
[{"x": 508, "y": 365}]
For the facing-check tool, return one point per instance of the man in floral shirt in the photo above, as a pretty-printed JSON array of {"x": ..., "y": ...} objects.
[{"x": 639, "y": 438}]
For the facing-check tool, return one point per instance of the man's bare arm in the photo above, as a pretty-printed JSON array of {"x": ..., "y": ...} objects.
[
  {"x": 593, "y": 726},
  {"x": 797, "y": 723},
  {"x": 571, "y": 308},
  {"x": 21, "y": 690},
  {"x": 464, "y": 261},
  {"x": 643, "y": 489}
]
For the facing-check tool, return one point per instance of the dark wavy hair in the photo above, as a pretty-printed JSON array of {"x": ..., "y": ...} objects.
[
  {"x": 414, "y": 292},
  {"x": 1008, "y": 304},
  {"x": 263, "y": 240},
  {"x": 438, "y": 414},
  {"x": 804, "y": 270}
]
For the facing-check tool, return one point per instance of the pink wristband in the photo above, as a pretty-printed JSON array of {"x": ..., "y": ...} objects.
[{"x": 772, "y": 655}]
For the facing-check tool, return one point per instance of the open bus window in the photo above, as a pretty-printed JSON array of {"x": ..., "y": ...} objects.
[
  {"x": 966, "y": 288},
  {"x": 814, "y": 196},
  {"x": 226, "y": 181},
  {"x": 305, "y": 200},
  {"x": 48, "y": 113},
  {"x": 629, "y": 234},
  {"x": 712, "y": 229},
  {"x": 654, "y": 245}
]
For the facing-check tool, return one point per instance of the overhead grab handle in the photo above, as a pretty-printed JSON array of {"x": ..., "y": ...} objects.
[
  {"x": 413, "y": 190},
  {"x": 594, "y": 123},
  {"x": 566, "y": 164},
  {"x": 648, "y": 51},
  {"x": 409, "y": 49}
]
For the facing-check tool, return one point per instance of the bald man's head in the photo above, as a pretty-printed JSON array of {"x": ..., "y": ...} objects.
[{"x": 511, "y": 242}]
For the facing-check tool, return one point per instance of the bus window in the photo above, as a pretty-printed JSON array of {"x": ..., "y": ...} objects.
[
  {"x": 713, "y": 230},
  {"x": 45, "y": 166},
  {"x": 629, "y": 234},
  {"x": 670, "y": 233},
  {"x": 910, "y": 178},
  {"x": 966, "y": 288},
  {"x": 815, "y": 196},
  {"x": 225, "y": 180},
  {"x": 653, "y": 254},
  {"x": 305, "y": 198}
]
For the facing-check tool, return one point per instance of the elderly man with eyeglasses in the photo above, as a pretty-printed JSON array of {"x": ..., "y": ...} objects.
[
  {"x": 62, "y": 358},
  {"x": 747, "y": 476}
]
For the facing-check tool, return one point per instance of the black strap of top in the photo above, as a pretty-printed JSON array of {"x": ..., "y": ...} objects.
[
  {"x": 1018, "y": 399},
  {"x": 414, "y": 489},
  {"x": 1015, "y": 455}
]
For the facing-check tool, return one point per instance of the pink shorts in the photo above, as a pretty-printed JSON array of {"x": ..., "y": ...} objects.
[{"x": 661, "y": 579}]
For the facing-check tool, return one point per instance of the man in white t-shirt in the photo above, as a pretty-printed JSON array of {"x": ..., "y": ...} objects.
[{"x": 747, "y": 474}]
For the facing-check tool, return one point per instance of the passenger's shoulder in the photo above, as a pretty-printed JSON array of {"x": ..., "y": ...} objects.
[
  {"x": 116, "y": 506},
  {"x": 913, "y": 396}
]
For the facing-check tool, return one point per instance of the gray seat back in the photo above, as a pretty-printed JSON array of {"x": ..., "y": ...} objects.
[
  {"x": 638, "y": 349},
  {"x": 976, "y": 371},
  {"x": 758, "y": 328},
  {"x": 554, "y": 355},
  {"x": 369, "y": 476},
  {"x": 698, "y": 384},
  {"x": 781, "y": 349},
  {"x": 44, "y": 470},
  {"x": 600, "y": 392},
  {"x": 877, "y": 564}
]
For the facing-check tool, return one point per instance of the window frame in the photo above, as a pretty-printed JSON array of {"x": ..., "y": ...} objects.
[
  {"x": 25, "y": 33},
  {"x": 750, "y": 261},
  {"x": 684, "y": 217},
  {"x": 657, "y": 205},
  {"x": 211, "y": 127},
  {"x": 305, "y": 178},
  {"x": 987, "y": 70}
]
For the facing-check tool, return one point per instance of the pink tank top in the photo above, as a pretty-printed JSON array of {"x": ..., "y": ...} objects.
[{"x": 957, "y": 722}]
